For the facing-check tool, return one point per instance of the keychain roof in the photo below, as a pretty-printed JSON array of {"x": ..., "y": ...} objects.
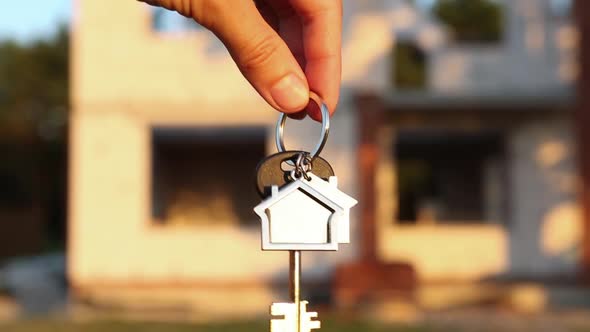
[{"x": 333, "y": 228}]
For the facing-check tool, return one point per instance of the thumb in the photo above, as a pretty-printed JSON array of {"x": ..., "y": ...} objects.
[{"x": 262, "y": 56}]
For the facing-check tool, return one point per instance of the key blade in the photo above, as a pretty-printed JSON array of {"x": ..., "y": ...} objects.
[{"x": 269, "y": 171}]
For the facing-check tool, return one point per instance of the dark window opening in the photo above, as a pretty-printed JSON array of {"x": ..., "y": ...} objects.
[
  {"x": 471, "y": 21},
  {"x": 409, "y": 66},
  {"x": 205, "y": 176},
  {"x": 449, "y": 177}
]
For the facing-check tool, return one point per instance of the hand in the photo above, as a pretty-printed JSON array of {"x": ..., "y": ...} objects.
[{"x": 284, "y": 48}]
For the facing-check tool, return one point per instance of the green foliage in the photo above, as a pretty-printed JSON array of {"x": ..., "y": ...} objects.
[
  {"x": 34, "y": 103},
  {"x": 471, "y": 20},
  {"x": 409, "y": 67},
  {"x": 34, "y": 84}
]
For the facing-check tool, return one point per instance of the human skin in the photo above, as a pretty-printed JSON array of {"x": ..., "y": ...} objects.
[{"x": 284, "y": 48}]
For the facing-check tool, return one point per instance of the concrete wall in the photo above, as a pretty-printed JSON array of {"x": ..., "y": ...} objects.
[
  {"x": 546, "y": 226},
  {"x": 537, "y": 51}
]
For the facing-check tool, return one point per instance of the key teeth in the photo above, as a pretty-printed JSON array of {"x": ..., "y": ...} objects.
[
  {"x": 307, "y": 322},
  {"x": 288, "y": 320},
  {"x": 310, "y": 325},
  {"x": 279, "y": 309},
  {"x": 313, "y": 325}
]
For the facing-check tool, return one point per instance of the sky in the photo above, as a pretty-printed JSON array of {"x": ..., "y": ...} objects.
[{"x": 26, "y": 20}]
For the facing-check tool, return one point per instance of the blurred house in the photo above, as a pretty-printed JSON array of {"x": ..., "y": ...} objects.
[{"x": 455, "y": 136}]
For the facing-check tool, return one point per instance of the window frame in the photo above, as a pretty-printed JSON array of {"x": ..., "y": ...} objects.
[{"x": 221, "y": 135}]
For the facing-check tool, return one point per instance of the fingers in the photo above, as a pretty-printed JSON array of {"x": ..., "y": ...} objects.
[
  {"x": 261, "y": 55},
  {"x": 321, "y": 22}
]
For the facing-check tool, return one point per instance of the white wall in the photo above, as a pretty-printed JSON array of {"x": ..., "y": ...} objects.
[{"x": 545, "y": 227}]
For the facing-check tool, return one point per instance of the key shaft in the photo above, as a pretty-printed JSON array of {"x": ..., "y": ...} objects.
[{"x": 295, "y": 283}]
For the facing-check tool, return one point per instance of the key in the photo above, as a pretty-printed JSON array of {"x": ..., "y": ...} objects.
[
  {"x": 303, "y": 210},
  {"x": 269, "y": 171}
]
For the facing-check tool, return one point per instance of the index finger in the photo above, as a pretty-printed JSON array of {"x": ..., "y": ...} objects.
[{"x": 321, "y": 22}]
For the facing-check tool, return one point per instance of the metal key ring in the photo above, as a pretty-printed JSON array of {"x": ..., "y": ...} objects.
[{"x": 280, "y": 130}]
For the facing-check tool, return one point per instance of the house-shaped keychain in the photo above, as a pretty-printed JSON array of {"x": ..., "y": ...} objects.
[{"x": 306, "y": 214}]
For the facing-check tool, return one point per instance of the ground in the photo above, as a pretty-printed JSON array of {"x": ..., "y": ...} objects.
[
  {"x": 464, "y": 321},
  {"x": 62, "y": 326}
]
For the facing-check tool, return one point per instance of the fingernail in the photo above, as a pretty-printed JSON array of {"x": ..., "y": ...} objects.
[{"x": 290, "y": 93}]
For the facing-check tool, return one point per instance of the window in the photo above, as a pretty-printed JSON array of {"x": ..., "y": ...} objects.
[
  {"x": 471, "y": 21},
  {"x": 449, "y": 177},
  {"x": 164, "y": 20},
  {"x": 409, "y": 66},
  {"x": 205, "y": 176}
]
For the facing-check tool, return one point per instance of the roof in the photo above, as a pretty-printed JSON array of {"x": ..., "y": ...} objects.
[{"x": 317, "y": 187}]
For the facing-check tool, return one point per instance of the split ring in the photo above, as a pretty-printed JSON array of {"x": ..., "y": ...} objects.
[{"x": 280, "y": 130}]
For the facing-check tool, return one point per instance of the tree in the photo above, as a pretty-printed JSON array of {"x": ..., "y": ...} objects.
[
  {"x": 34, "y": 85},
  {"x": 471, "y": 20},
  {"x": 34, "y": 103}
]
